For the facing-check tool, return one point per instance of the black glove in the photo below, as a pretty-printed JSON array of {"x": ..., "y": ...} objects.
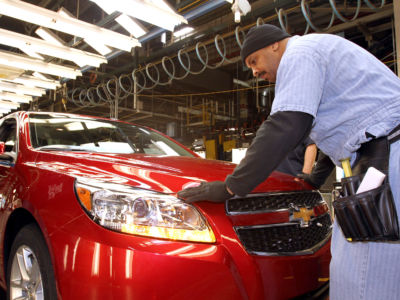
[
  {"x": 214, "y": 191},
  {"x": 321, "y": 171},
  {"x": 309, "y": 179}
]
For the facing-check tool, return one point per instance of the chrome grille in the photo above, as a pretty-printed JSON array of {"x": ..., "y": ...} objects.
[
  {"x": 285, "y": 238},
  {"x": 273, "y": 201},
  {"x": 293, "y": 237}
]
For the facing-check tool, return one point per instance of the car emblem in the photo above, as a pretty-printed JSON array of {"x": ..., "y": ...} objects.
[{"x": 302, "y": 214}]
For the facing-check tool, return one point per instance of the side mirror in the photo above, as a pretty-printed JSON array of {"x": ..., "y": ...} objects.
[{"x": 3, "y": 155}]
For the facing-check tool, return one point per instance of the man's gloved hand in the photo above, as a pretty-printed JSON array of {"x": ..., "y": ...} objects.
[
  {"x": 215, "y": 191},
  {"x": 310, "y": 180}
]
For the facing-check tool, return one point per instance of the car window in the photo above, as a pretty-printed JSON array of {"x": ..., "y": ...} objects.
[
  {"x": 8, "y": 135},
  {"x": 53, "y": 132}
]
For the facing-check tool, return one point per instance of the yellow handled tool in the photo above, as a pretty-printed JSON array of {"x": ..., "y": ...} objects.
[
  {"x": 346, "y": 167},
  {"x": 347, "y": 173}
]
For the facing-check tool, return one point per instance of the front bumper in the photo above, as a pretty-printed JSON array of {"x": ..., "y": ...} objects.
[{"x": 96, "y": 263}]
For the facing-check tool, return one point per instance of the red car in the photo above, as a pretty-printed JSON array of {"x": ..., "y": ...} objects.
[{"x": 88, "y": 210}]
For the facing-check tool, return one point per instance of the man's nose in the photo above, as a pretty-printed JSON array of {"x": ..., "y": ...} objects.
[{"x": 255, "y": 73}]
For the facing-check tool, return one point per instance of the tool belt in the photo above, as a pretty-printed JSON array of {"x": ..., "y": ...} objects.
[{"x": 371, "y": 215}]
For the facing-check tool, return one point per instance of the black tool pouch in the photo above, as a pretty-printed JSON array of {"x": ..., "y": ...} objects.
[{"x": 368, "y": 216}]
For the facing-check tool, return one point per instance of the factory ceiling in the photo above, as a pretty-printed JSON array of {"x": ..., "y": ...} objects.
[{"x": 196, "y": 80}]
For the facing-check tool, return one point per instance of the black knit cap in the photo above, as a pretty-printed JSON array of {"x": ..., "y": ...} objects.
[{"x": 259, "y": 37}]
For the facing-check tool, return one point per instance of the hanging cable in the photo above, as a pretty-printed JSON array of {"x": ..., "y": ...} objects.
[{"x": 151, "y": 75}]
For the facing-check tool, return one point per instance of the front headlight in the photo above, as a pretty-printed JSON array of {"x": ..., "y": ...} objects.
[{"x": 141, "y": 212}]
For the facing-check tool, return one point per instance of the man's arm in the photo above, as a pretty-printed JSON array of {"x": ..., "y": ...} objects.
[
  {"x": 278, "y": 135},
  {"x": 309, "y": 158}
]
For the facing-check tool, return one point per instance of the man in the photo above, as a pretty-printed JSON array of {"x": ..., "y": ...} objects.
[{"x": 344, "y": 98}]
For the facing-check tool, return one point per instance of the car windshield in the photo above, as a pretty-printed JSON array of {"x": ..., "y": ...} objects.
[{"x": 73, "y": 133}]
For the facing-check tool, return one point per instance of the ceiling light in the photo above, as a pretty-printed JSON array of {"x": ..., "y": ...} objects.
[
  {"x": 35, "y": 45},
  {"x": 47, "y": 35},
  {"x": 131, "y": 26},
  {"x": 145, "y": 10},
  {"x": 7, "y": 72},
  {"x": 125, "y": 21},
  {"x": 44, "y": 17},
  {"x": 237, "y": 16},
  {"x": 240, "y": 8},
  {"x": 15, "y": 98},
  {"x": 98, "y": 46},
  {"x": 20, "y": 89},
  {"x": 164, "y": 37},
  {"x": 8, "y": 104},
  {"x": 25, "y": 63},
  {"x": 27, "y": 51},
  {"x": 183, "y": 31},
  {"x": 50, "y": 37},
  {"x": 40, "y": 76},
  {"x": 4, "y": 110},
  {"x": 32, "y": 81}
]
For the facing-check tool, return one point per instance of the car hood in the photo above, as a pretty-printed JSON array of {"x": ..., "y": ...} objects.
[{"x": 166, "y": 174}]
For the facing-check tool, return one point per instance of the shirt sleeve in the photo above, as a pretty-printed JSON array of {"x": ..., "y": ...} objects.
[
  {"x": 278, "y": 135},
  {"x": 308, "y": 142},
  {"x": 300, "y": 82}
]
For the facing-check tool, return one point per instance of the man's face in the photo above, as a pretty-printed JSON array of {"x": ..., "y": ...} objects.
[{"x": 264, "y": 62}]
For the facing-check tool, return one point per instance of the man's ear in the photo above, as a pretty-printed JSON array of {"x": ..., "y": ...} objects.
[{"x": 275, "y": 46}]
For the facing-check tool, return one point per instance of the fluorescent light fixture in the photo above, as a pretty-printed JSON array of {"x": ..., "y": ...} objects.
[
  {"x": 147, "y": 11},
  {"x": 99, "y": 47},
  {"x": 183, "y": 31},
  {"x": 7, "y": 72},
  {"x": 47, "y": 18},
  {"x": 15, "y": 97},
  {"x": 229, "y": 1},
  {"x": 4, "y": 110},
  {"x": 32, "y": 81},
  {"x": 47, "y": 35},
  {"x": 28, "y": 51},
  {"x": 35, "y": 45},
  {"x": 8, "y": 104},
  {"x": 131, "y": 25},
  {"x": 240, "y": 8},
  {"x": 20, "y": 89},
  {"x": 25, "y": 63},
  {"x": 164, "y": 37},
  {"x": 237, "y": 16},
  {"x": 94, "y": 43},
  {"x": 40, "y": 76}
]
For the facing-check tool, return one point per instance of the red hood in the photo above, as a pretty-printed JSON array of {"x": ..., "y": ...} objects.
[{"x": 167, "y": 174}]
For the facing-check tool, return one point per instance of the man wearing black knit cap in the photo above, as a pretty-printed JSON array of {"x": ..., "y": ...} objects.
[
  {"x": 347, "y": 101},
  {"x": 271, "y": 40}
]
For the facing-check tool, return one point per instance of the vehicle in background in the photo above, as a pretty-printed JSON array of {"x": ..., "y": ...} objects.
[{"x": 88, "y": 210}]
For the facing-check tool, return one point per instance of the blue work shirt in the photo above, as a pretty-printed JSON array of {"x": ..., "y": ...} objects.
[
  {"x": 344, "y": 87},
  {"x": 350, "y": 93}
]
